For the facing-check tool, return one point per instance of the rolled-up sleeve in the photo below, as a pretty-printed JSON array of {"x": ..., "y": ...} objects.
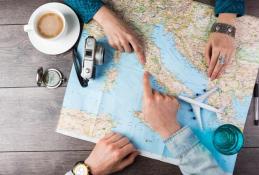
[
  {"x": 230, "y": 6},
  {"x": 85, "y": 9},
  {"x": 193, "y": 157}
]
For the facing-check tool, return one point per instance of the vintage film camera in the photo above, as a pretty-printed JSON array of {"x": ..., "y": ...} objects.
[{"x": 93, "y": 55}]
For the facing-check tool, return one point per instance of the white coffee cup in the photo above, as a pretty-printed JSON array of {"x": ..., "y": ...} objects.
[{"x": 32, "y": 27}]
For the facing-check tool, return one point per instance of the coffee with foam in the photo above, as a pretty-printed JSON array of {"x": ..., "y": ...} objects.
[{"x": 50, "y": 25}]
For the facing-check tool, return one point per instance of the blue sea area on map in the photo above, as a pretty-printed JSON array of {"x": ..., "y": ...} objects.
[
  {"x": 175, "y": 62},
  {"x": 124, "y": 99}
]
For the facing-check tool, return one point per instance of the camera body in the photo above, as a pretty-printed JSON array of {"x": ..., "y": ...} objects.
[{"x": 93, "y": 55}]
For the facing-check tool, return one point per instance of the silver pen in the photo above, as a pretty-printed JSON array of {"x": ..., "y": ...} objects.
[{"x": 256, "y": 104}]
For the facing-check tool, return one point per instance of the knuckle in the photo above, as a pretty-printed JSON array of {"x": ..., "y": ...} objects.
[
  {"x": 129, "y": 36},
  {"x": 215, "y": 50},
  {"x": 126, "y": 139},
  {"x": 148, "y": 100},
  {"x": 102, "y": 141},
  {"x": 117, "y": 154},
  {"x": 111, "y": 147},
  {"x": 118, "y": 44},
  {"x": 132, "y": 160},
  {"x": 131, "y": 146},
  {"x": 118, "y": 135},
  {"x": 124, "y": 41},
  {"x": 214, "y": 43}
]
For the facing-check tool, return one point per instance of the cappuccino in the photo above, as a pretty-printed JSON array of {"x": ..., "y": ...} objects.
[{"x": 50, "y": 25}]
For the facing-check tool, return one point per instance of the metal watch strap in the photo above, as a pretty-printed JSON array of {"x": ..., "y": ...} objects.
[{"x": 224, "y": 28}]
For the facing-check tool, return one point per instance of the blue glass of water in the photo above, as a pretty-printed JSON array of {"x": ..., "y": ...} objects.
[{"x": 228, "y": 139}]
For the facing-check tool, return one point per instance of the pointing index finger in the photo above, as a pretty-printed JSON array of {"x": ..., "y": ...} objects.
[{"x": 147, "y": 87}]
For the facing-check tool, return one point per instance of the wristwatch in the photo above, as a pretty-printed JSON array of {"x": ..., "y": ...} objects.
[
  {"x": 224, "y": 28},
  {"x": 81, "y": 168}
]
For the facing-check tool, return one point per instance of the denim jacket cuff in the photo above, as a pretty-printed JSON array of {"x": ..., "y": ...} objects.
[{"x": 181, "y": 142}]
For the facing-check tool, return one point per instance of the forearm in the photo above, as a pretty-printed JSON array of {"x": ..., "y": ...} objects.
[
  {"x": 85, "y": 9},
  {"x": 193, "y": 157},
  {"x": 227, "y": 18}
]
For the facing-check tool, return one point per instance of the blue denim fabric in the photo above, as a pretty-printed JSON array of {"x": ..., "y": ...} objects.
[
  {"x": 85, "y": 9},
  {"x": 230, "y": 6},
  {"x": 193, "y": 157}
]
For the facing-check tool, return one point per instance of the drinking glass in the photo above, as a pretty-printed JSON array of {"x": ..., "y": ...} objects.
[{"x": 228, "y": 139}]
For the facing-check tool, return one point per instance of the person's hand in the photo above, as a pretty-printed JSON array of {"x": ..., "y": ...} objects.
[
  {"x": 120, "y": 36},
  {"x": 220, "y": 45},
  {"x": 111, "y": 154},
  {"x": 159, "y": 110}
]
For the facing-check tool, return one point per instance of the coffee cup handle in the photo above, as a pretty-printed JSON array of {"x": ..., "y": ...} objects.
[{"x": 27, "y": 28}]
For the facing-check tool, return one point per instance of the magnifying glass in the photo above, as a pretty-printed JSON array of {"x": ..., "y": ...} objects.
[{"x": 50, "y": 78}]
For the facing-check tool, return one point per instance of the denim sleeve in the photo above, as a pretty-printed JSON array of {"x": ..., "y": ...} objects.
[
  {"x": 230, "y": 6},
  {"x": 193, "y": 157},
  {"x": 85, "y": 9}
]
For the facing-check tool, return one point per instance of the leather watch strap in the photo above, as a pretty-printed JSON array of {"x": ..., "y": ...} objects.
[{"x": 224, "y": 28}]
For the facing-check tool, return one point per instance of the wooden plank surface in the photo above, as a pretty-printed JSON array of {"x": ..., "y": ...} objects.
[
  {"x": 49, "y": 163},
  {"x": 251, "y": 131},
  {"x": 19, "y": 11},
  {"x": 57, "y": 163},
  {"x": 247, "y": 162},
  {"x": 20, "y": 60},
  {"x": 28, "y": 115},
  {"x": 28, "y": 121}
]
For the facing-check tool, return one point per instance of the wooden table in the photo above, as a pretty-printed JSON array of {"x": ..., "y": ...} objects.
[{"x": 29, "y": 114}]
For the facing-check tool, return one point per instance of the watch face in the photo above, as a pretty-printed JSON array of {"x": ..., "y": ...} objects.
[
  {"x": 80, "y": 169},
  {"x": 52, "y": 78}
]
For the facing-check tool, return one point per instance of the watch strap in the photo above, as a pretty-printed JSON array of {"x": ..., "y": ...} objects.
[
  {"x": 82, "y": 163},
  {"x": 224, "y": 28}
]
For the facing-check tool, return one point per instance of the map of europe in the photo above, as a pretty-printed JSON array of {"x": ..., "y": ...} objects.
[{"x": 174, "y": 34}]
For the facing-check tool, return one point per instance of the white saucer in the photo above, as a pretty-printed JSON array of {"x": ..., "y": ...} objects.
[{"x": 64, "y": 43}]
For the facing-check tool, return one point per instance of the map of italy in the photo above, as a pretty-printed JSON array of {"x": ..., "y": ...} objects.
[{"x": 174, "y": 34}]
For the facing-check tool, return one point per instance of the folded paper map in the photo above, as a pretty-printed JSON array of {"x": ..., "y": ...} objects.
[{"x": 174, "y": 34}]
